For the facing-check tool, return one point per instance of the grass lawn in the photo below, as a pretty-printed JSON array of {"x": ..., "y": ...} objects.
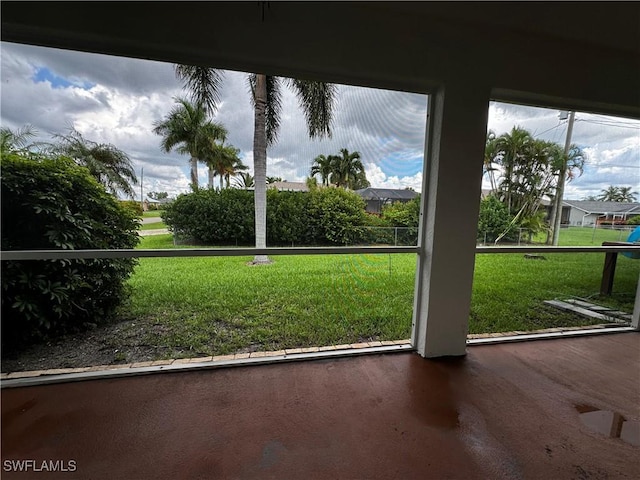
[
  {"x": 152, "y": 226},
  {"x": 217, "y": 305},
  {"x": 152, "y": 213}
]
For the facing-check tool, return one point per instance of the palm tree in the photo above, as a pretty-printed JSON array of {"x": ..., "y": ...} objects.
[
  {"x": 347, "y": 170},
  {"x": 490, "y": 153},
  {"x": 315, "y": 98},
  {"x": 617, "y": 194},
  {"x": 322, "y": 166},
  {"x": 510, "y": 148},
  {"x": 224, "y": 161},
  {"x": 626, "y": 195},
  {"x": 108, "y": 164},
  {"x": 12, "y": 141},
  {"x": 245, "y": 181},
  {"x": 187, "y": 128}
]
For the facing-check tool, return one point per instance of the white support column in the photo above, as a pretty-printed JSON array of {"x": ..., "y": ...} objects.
[{"x": 457, "y": 128}]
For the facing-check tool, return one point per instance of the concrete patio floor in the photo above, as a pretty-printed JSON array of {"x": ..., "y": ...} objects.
[{"x": 503, "y": 411}]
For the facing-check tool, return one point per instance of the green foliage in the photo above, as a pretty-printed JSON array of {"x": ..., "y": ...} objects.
[
  {"x": 326, "y": 216},
  {"x": 55, "y": 204},
  {"x": 338, "y": 216},
  {"x": 134, "y": 207},
  {"x": 213, "y": 217},
  {"x": 634, "y": 220},
  {"x": 494, "y": 219},
  {"x": 399, "y": 214}
]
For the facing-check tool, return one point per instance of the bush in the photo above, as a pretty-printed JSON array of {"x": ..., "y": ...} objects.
[
  {"x": 400, "y": 214},
  {"x": 634, "y": 220},
  {"x": 494, "y": 219},
  {"x": 337, "y": 216},
  {"x": 52, "y": 203},
  {"x": 213, "y": 217},
  {"x": 133, "y": 206},
  {"x": 325, "y": 216}
]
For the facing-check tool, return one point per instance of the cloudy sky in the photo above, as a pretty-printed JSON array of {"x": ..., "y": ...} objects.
[{"x": 117, "y": 100}]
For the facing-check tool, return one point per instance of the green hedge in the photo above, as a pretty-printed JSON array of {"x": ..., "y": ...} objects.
[
  {"x": 52, "y": 203},
  {"x": 324, "y": 216}
]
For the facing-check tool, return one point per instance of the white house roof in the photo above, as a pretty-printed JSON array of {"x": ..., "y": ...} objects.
[{"x": 602, "y": 208}]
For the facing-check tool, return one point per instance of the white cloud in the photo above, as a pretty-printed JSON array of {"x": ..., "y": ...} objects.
[{"x": 387, "y": 128}]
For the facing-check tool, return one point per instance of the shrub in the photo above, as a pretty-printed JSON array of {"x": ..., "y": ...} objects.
[
  {"x": 133, "y": 206},
  {"x": 400, "y": 214},
  {"x": 51, "y": 203},
  {"x": 634, "y": 220},
  {"x": 494, "y": 219},
  {"x": 337, "y": 216},
  {"x": 213, "y": 217},
  {"x": 289, "y": 218}
]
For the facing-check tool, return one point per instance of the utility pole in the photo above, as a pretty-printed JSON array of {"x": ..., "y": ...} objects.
[
  {"x": 557, "y": 200},
  {"x": 141, "y": 183}
]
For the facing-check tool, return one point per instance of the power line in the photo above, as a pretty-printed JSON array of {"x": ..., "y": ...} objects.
[{"x": 610, "y": 124}]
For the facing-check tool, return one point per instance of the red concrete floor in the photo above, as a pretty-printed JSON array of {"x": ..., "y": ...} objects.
[{"x": 505, "y": 411}]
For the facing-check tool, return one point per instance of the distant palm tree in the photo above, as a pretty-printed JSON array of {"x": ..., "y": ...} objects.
[
  {"x": 188, "y": 128},
  {"x": 347, "y": 170},
  {"x": 108, "y": 164},
  {"x": 617, "y": 194},
  {"x": 222, "y": 160},
  {"x": 245, "y": 180},
  {"x": 315, "y": 98},
  {"x": 626, "y": 195},
  {"x": 322, "y": 166}
]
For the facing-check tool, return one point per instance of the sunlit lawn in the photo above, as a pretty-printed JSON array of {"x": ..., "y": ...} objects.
[{"x": 217, "y": 305}]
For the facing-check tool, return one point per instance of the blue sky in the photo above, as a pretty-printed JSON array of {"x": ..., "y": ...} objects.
[
  {"x": 117, "y": 100},
  {"x": 43, "y": 74}
]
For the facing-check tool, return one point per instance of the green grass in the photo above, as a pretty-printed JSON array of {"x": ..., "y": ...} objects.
[
  {"x": 153, "y": 226},
  {"x": 152, "y": 213},
  {"x": 219, "y": 305}
]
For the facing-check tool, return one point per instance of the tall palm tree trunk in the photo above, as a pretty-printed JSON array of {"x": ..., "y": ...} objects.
[
  {"x": 212, "y": 174},
  {"x": 260, "y": 166},
  {"x": 193, "y": 163}
]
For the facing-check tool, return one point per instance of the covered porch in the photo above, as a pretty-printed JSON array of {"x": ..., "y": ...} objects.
[{"x": 503, "y": 411}]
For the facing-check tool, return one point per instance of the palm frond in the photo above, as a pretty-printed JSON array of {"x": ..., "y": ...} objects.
[
  {"x": 316, "y": 100},
  {"x": 203, "y": 83}
]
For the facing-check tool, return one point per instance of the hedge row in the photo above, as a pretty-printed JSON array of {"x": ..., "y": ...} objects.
[{"x": 328, "y": 216}]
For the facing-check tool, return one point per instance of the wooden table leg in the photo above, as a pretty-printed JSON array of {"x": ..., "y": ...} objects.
[{"x": 608, "y": 273}]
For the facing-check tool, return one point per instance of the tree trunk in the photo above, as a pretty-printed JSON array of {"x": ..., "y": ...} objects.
[
  {"x": 260, "y": 167},
  {"x": 193, "y": 163},
  {"x": 211, "y": 175}
]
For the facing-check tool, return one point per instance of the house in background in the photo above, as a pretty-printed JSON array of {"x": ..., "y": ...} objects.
[
  {"x": 588, "y": 213},
  {"x": 376, "y": 198},
  {"x": 289, "y": 186}
]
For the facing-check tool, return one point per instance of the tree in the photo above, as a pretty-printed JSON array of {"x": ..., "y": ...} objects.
[
  {"x": 222, "y": 160},
  {"x": 109, "y": 165},
  {"x": 187, "y": 128},
  {"x": 271, "y": 180},
  {"x": 347, "y": 170},
  {"x": 530, "y": 169},
  {"x": 158, "y": 195},
  {"x": 617, "y": 194},
  {"x": 315, "y": 98},
  {"x": 322, "y": 166},
  {"x": 245, "y": 181}
]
